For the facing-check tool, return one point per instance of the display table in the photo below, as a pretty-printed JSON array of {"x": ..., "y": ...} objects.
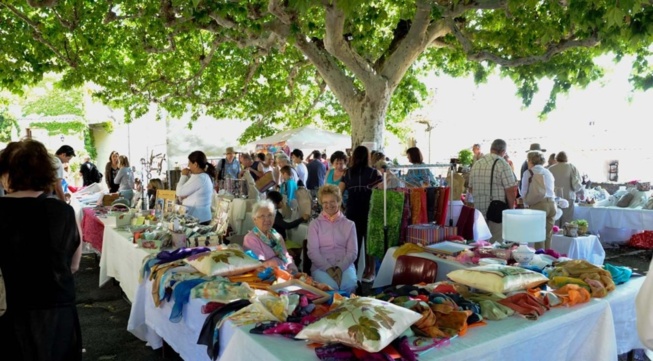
[
  {"x": 92, "y": 229},
  {"x": 122, "y": 260},
  {"x": 622, "y": 303},
  {"x": 583, "y": 332},
  {"x": 615, "y": 224},
  {"x": 587, "y": 247},
  {"x": 384, "y": 276}
]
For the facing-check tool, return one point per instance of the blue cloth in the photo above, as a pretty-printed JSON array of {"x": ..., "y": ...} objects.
[
  {"x": 181, "y": 293},
  {"x": 180, "y": 253},
  {"x": 619, "y": 274}
]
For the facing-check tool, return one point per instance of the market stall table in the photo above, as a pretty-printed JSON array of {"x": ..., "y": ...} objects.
[
  {"x": 122, "y": 260},
  {"x": 587, "y": 247},
  {"x": 615, "y": 224},
  {"x": 582, "y": 332},
  {"x": 622, "y": 303},
  {"x": 92, "y": 229}
]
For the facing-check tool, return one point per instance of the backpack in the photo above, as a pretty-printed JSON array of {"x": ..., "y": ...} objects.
[{"x": 536, "y": 189}]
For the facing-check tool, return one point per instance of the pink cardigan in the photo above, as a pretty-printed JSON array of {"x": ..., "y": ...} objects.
[
  {"x": 263, "y": 251},
  {"x": 332, "y": 244}
]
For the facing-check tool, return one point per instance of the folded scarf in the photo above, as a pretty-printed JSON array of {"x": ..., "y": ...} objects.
[
  {"x": 526, "y": 305},
  {"x": 619, "y": 274}
]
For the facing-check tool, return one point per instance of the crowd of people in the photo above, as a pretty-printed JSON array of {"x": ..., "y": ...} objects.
[
  {"x": 47, "y": 327},
  {"x": 492, "y": 178}
]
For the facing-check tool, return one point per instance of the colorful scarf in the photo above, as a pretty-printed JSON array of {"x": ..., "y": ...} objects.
[{"x": 274, "y": 243}]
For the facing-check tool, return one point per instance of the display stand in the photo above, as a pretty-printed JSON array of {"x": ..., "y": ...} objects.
[{"x": 385, "y": 189}]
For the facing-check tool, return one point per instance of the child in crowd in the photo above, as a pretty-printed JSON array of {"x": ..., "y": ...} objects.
[{"x": 289, "y": 185}]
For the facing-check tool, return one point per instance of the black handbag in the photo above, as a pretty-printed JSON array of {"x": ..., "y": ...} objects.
[{"x": 495, "y": 209}]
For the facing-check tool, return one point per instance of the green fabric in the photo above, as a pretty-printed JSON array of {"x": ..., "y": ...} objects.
[{"x": 395, "y": 210}]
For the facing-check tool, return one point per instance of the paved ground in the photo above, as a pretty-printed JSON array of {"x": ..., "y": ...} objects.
[{"x": 104, "y": 313}]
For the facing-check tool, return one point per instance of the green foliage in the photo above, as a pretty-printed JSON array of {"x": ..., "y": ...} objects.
[
  {"x": 8, "y": 124},
  {"x": 89, "y": 143},
  {"x": 55, "y": 101},
  {"x": 107, "y": 126},
  {"x": 236, "y": 59},
  {"x": 465, "y": 156},
  {"x": 63, "y": 128},
  {"x": 580, "y": 222}
]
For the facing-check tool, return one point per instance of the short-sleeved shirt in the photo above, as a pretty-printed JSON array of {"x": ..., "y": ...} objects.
[{"x": 479, "y": 180}]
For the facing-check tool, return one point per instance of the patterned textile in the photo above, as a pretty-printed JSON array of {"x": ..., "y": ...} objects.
[
  {"x": 395, "y": 207},
  {"x": 418, "y": 205},
  {"x": 443, "y": 206},
  {"x": 274, "y": 242},
  {"x": 406, "y": 215}
]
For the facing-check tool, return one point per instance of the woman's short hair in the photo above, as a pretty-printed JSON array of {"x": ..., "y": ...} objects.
[
  {"x": 338, "y": 155},
  {"x": 536, "y": 158},
  {"x": 124, "y": 161},
  {"x": 275, "y": 197},
  {"x": 264, "y": 203},
  {"x": 329, "y": 189},
  {"x": 414, "y": 155},
  {"x": 561, "y": 157},
  {"x": 286, "y": 170},
  {"x": 156, "y": 183},
  {"x": 28, "y": 166}
]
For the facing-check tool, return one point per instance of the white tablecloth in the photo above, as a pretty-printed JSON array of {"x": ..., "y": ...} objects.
[
  {"x": 384, "y": 276},
  {"x": 598, "y": 330},
  {"x": 122, "y": 260},
  {"x": 588, "y": 248},
  {"x": 622, "y": 302},
  {"x": 584, "y": 332},
  {"x": 615, "y": 224}
]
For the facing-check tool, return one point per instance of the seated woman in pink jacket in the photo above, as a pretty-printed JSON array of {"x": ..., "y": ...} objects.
[
  {"x": 264, "y": 241},
  {"x": 332, "y": 243}
]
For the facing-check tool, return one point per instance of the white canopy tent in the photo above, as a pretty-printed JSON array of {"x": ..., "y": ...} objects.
[{"x": 307, "y": 138}]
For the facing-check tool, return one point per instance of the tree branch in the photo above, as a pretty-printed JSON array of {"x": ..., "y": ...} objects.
[
  {"x": 551, "y": 51},
  {"x": 334, "y": 43},
  {"x": 38, "y": 36},
  {"x": 410, "y": 47},
  {"x": 42, "y": 3},
  {"x": 316, "y": 101}
]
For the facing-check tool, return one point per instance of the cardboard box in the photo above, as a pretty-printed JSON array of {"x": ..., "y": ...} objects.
[{"x": 426, "y": 234}]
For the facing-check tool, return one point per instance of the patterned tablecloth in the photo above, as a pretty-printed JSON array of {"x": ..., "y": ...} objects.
[{"x": 92, "y": 229}]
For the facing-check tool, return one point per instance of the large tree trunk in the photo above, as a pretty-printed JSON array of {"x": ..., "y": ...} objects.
[{"x": 368, "y": 119}]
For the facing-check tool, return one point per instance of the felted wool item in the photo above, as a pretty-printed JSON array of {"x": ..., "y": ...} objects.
[
  {"x": 395, "y": 208},
  {"x": 498, "y": 278},
  {"x": 364, "y": 323},
  {"x": 224, "y": 262}
]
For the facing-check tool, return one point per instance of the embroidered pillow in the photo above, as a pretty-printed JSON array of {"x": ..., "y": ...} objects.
[
  {"x": 498, "y": 278},
  {"x": 223, "y": 262},
  {"x": 364, "y": 323}
]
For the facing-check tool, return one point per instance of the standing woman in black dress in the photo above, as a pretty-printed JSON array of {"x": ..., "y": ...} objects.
[
  {"x": 40, "y": 252},
  {"x": 358, "y": 181},
  {"x": 111, "y": 170}
]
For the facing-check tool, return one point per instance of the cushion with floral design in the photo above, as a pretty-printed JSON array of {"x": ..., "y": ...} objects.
[
  {"x": 223, "y": 262},
  {"x": 364, "y": 323}
]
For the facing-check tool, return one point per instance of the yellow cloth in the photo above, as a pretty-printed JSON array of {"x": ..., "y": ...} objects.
[{"x": 407, "y": 248}]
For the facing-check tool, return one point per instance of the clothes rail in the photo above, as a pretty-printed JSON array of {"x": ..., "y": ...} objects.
[{"x": 451, "y": 166}]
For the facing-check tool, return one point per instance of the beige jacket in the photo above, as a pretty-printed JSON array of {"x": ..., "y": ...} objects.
[{"x": 567, "y": 178}]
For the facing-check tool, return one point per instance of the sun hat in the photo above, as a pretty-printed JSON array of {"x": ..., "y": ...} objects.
[
  {"x": 535, "y": 147},
  {"x": 230, "y": 150}
]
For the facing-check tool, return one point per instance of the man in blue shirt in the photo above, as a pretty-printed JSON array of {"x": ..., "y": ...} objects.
[
  {"x": 229, "y": 167},
  {"x": 316, "y": 171}
]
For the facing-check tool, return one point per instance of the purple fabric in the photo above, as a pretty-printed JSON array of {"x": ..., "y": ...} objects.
[{"x": 181, "y": 253}]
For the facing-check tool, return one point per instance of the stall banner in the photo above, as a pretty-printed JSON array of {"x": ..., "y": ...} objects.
[
  {"x": 427, "y": 234},
  {"x": 273, "y": 148}
]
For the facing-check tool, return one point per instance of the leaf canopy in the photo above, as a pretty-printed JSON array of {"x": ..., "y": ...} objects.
[{"x": 283, "y": 62}]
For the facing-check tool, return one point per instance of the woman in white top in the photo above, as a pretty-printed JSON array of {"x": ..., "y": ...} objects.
[
  {"x": 536, "y": 166},
  {"x": 195, "y": 187},
  {"x": 125, "y": 179}
]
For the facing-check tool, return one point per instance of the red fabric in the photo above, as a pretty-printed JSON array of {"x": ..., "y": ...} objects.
[
  {"x": 466, "y": 222},
  {"x": 92, "y": 229},
  {"x": 642, "y": 240},
  {"x": 443, "y": 201}
]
